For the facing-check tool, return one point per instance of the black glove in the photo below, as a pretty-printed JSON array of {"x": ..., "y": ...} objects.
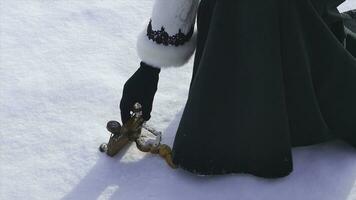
[{"x": 140, "y": 87}]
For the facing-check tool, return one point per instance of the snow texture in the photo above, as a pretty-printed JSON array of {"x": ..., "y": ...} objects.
[{"x": 62, "y": 68}]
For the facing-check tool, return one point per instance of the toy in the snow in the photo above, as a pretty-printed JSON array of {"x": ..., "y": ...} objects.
[{"x": 130, "y": 132}]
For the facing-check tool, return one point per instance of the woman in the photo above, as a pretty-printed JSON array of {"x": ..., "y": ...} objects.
[{"x": 267, "y": 76}]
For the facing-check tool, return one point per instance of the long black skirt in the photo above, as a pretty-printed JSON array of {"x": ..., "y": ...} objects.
[{"x": 268, "y": 76}]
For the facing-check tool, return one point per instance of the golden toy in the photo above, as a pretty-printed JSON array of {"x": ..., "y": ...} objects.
[{"x": 130, "y": 132}]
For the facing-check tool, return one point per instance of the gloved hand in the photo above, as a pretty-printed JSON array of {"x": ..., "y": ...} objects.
[{"x": 140, "y": 87}]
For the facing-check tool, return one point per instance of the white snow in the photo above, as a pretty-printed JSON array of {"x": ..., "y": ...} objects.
[{"x": 62, "y": 67}]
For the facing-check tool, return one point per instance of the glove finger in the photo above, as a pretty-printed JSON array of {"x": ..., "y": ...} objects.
[
  {"x": 147, "y": 109},
  {"x": 146, "y": 116},
  {"x": 125, "y": 109}
]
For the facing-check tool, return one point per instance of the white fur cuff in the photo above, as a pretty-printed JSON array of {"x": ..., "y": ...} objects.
[{"x": 160, "y": 56}]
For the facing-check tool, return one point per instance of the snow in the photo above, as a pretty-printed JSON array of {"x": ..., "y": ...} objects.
[{"x": 62, "y": 67}]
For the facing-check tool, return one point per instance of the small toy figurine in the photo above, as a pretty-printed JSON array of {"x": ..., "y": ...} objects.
[{"x": 121, "y": 136}]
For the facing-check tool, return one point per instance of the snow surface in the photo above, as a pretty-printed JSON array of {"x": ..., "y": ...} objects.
[{"x": 62, "y": 67}]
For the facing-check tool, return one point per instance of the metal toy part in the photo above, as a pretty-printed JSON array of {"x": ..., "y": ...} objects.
[{"x": 130, "y": 132}]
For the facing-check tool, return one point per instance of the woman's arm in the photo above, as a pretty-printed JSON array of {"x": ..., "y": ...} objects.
[{"x": 169, "y": 39}]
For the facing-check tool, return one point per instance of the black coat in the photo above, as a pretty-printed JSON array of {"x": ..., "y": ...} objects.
[{"x": 268, "y": 76}]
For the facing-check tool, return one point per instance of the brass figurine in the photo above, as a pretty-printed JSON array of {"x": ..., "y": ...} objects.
[{"x": 131, "y": 132}]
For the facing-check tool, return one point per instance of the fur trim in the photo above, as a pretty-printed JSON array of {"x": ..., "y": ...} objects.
[{"x": 160, "y": 56}]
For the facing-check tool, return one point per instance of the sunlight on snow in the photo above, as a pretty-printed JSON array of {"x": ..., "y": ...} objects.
[
  {"x": 353, "y": 193},
  {"x": 108, "y": 192},
  {"x": 132, "y": 155}
]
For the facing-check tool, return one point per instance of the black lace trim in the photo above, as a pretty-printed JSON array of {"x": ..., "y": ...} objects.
[{"x": 162, "y": 37}]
